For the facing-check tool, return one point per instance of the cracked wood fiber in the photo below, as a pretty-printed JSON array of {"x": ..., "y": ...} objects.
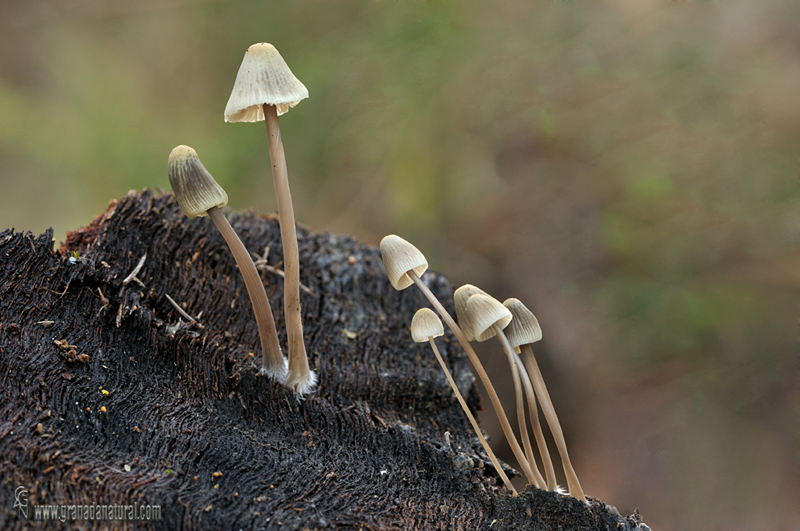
[{"x": 117, "y": 401}]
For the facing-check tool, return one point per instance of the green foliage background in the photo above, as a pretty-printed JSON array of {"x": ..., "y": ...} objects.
[{"x": 627, "y": 169}]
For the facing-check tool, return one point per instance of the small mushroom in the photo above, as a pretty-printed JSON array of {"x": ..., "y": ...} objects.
[
  {"x": 524, "y": 327},
  {"x": 199, "y": 194},
  {"x": 460, "y": 298},
  {"x": 519, "y": 331},
  {"x": 425, "y": 326},
  {"x": 403, "y": 261},
  {"x": 264, "y": 89},
  {"x": 404, "y": 264},
  {"x": 487, "y": 317},
  {"x": 523, "y": 341}
]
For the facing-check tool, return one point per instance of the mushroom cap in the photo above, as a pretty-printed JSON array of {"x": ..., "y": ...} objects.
[
  {"x": 195, "y": 188},
  {"x": 524, "y": 328},
  {"x": 400, "y": 257},
  {"x": 425, "y": 325},
  {"x": 264, "y": 77},
  {"x": 460, "y": 297},
  {"x": 484, "y": 311}
]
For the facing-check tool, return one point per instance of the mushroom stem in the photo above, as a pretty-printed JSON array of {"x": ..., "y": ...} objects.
[
  {"x": 300, "y": 378},
  {"x": 516, "y": 369},
  {"x": 273, "y": 361},
  {"x": 552, "y": 420},
  {"x": 533, "y": 414},
  {"x": 472, "y": 420},
  {"x": 487, "y": 384}
]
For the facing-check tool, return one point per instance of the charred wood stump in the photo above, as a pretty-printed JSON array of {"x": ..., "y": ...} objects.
[{"x": 110, "y": 396}]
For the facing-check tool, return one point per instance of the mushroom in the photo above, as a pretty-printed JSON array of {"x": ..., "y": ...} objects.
[
  {"x": 486, "y": 318},
  {"x": 404, "y": 264},
  {"x": 199, "y": 194},
  {"x": 460, "y": 298},
  {"x": 264, "y": 89},
  {"x": 425, "y": 326},
  {"x": 517, "y": 333},
  {"x": 528, "y": 332}
]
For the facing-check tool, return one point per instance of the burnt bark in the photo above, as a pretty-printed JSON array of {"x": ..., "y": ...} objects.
[{"x": 109, "y": 397}]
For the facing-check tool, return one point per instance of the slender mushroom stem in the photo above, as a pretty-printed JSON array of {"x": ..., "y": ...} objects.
[
  {"x": 516, "y": 369},
  {"x": 552, "y": 420},
  {"x": 524, "y": 329},
  {"x": 272, "y": 359},
  {"x": 300, "y": 377},
  {"x": 519, "y": 454},
  {"x": 198, "y": 194},
  {"x": 538, "y": 434},
  {"x": 472, "y": 420}
]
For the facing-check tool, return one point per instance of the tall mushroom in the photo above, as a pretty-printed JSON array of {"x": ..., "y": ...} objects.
[
  {"x": 264, "y": 89},
  {"x": 425, "y": 326},
  {"x": 404, "y": 264},
  {"x": 199, "y": 194},
  {"x": 526, "y": 319}
]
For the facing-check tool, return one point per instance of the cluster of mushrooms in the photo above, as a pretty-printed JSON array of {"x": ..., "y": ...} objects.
[
  {"x": 265, "y": 88},
  {"x": 483, "y": 317}
]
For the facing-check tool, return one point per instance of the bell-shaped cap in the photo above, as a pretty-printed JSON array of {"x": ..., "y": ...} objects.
[
  {"x": 264, "y": 77},
  {"x": 400, "y": 257},
  {"x": 485, "y": 311},
  {"x": 524, "y": 328},
  {"x": 460, "y": 297},
  {"x": 425, "y": 325},
  {"x": 195, "y": 188}
]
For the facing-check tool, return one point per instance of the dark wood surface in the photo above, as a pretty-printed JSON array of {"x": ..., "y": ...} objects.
[{"x": 108, "y": 398}]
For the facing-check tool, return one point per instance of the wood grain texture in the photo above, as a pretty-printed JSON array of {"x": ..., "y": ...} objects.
[{"x": 364, "y": 451}]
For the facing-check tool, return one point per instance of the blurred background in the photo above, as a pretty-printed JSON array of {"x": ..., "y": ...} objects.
[{"x": 628, "y": 170}]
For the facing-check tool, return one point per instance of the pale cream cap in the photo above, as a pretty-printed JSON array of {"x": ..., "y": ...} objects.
[
  {"x": 460, "y": 297},
  {"x": 524, "y": 328},
  {"x": 400, "y": 257},
  {"x": 425, "y": 325},
  {"x": 485, "y": 311},
  {"x": 264, "y": 77},
  {"x": 195, "y": 188}
]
